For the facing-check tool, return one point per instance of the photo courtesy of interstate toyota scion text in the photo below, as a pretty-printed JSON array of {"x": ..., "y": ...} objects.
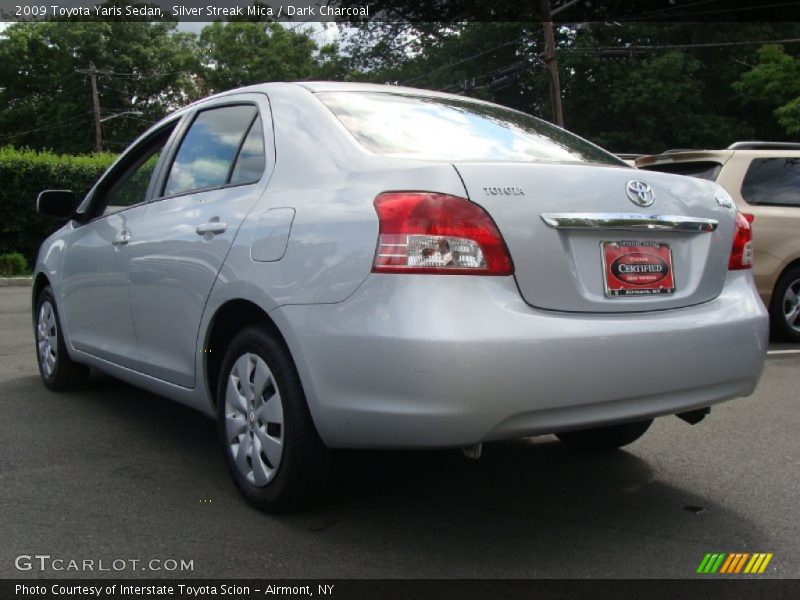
[{"x": 332, "y": 265}]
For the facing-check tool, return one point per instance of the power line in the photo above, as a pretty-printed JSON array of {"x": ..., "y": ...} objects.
[
  {"x": 677, "y": 7},
  {"x": 460, "y": 62},
  {"x": 115, "y": 90},
  {"x": 680, "y": 46},
  {"x": 668, "y": 12},
  {"x": 148, "y": 121},
  {"x": 589, "y": 50},
  {"x": 738, "y": 10},
  {"x": 505, "y": 70},
  {"x": 150, "y": 75},
  {"x": 56, "y": 125},
  {"x": 563, "y": 7}
]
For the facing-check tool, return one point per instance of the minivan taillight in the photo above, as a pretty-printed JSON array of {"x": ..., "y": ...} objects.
[
  {"x": 742, "y": 250},
  {"x": 424, "y": 232}
]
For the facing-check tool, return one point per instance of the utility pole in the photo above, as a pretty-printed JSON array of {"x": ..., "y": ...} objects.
[
  {"x": 93, "y": 72},
  {"x": 550, "y": 60}
]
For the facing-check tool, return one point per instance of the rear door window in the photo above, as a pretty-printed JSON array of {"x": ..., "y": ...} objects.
[
  {"x": 773, "y": 181},
  {"x": 208, "y": 153}
]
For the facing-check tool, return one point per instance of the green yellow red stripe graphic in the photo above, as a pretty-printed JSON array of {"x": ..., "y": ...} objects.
[{"x": 734, "y": 563}]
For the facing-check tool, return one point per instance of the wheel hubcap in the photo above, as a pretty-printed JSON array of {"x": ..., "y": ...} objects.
[
  {"x": 791, "y": 305},
  {"x": 254, "y": 419},
  {"x": 47, "y": 338}
]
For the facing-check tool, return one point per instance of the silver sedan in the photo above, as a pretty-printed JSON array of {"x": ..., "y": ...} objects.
[{"x": 324, "y": 265}]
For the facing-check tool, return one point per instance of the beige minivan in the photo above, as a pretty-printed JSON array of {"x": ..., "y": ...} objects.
[{"x": 764, "y": 180}]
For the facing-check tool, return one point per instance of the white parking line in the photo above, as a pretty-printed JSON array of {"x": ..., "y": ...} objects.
[{"x": 774, "y": 352}]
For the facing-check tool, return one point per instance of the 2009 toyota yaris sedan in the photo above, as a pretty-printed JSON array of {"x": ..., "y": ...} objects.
[{"x": 325, "y": 265}]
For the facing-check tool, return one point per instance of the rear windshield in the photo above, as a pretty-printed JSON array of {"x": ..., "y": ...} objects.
[
  {"x": 450, "y": 129},
  {"x": 700, "y": 169}
]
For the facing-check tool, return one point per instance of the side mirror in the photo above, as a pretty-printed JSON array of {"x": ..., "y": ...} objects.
[{"x": 60, "y": 204}]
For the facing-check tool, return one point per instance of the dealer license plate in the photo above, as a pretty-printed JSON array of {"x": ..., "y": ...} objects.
[{"x": 637, "y": 268}]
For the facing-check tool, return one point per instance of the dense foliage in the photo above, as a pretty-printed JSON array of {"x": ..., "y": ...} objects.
[
  {"x": 147, "y": 70},
  {"x": 774, "y": 85},
  {"x": 46, "y": 103},
  {"x": 632, "y": 87},
  {"x": 13, "y": 263},
  {"x": 24, "y": 174}
]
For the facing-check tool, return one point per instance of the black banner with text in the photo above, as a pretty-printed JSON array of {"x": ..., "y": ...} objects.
[{"x": 400, "y": 589}]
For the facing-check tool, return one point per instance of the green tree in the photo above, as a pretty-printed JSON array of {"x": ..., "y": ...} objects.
[
  {"x": 47, "y": 104},
  {"x": 493, "y": 61},
  {"x": 242, "y": 53},
  {"x": 646, "y": 87},
  {"x": 632, "y": 87},
  {"x": 774, "y": 84}
]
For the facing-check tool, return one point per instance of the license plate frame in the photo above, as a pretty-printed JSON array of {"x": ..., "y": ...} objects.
[{"x": 637, "y": 268}]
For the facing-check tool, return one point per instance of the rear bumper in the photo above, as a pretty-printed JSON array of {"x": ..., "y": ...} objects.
[{"x": 438, "y": 361}]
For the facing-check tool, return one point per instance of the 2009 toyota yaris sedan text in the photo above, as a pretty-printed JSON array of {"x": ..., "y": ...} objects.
[{"x": 328, "y": 265}]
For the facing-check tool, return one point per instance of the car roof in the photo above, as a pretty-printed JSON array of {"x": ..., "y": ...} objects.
[
  {"x": 336, "y": 86},
  {"x": 348, "y": 86}
]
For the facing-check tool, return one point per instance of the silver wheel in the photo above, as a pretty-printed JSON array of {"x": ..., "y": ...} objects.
[
  {"x": 791, "y": 305},
  {"x": 254, "y": 419},
  {"x": 47, "y": 338}
]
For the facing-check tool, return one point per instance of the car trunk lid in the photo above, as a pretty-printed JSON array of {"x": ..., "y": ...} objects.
[{"x": 581, "y": 242}]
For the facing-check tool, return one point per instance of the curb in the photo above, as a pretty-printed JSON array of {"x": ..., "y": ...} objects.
[{"x": 16, "y": 281}]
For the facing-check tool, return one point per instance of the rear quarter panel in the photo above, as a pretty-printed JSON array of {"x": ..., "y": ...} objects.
[{"x": 330, "y": 182}]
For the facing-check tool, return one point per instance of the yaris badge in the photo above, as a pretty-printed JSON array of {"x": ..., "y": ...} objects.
[{"x": 640, "y": 193}]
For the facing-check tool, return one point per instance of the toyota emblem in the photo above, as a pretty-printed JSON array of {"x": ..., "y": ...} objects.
[{"x": 640, "y": 193}]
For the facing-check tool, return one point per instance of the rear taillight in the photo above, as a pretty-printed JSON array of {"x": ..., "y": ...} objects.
[
  {"x": 742, "y": 250},
  {"x": 423, "y": 232}
]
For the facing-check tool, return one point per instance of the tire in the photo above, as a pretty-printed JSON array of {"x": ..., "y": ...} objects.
[
  {"x": 784, "y": 309},
  {"x": 59, "y": 372},
  {"x": 261, "y": 406},
  {"x": 605, "y": 439}
]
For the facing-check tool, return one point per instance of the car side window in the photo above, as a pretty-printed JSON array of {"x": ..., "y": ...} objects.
[
  {"x": 208, "y": 151},
  {"x": 773, "y": 181},
  {"x": 130, "y": 187}
]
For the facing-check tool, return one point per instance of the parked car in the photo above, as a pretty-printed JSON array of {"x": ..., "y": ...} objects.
[
  {"x": 335, "y": 265},
  {"x": 763, "y": 178}
]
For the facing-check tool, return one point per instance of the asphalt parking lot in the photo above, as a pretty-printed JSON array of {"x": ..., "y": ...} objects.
[{"x": 116, "y": 473}]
